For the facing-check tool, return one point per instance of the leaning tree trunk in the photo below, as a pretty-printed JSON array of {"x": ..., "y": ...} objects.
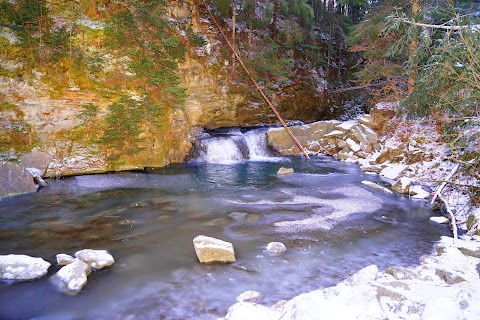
[
  {"x": 275, "y": 18},
  {"x": 234, "y": 22}
]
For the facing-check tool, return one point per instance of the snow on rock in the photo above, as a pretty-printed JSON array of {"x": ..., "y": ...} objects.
[
  {"x": 247, "y": 310},
  {"x": 440, "y": 219},
  {"x": 249, "y": 296},
  {"x": 442, "y": 308},
  {"x": 64, "y": 259},
  {"x": 376, "y": 186},
  {"x": 393, "y": 171},
  {"x": 276, "y": 247},
  {"x": 347, "y": 125},
  {"x": 355, "y": 147},
  {"x": 353, "y": 298},
  {"x": 212, "y": 250},
  {"x": 402, "y": 185},
  {"x": 445, "y": 286},
  {"x": 418, "y": 192},
  {"x": 96, "y": 259},
  {"x": 334, "y": 133},
  {"x": 72, "y": 277},
  {"x": 22, "y": 267}
]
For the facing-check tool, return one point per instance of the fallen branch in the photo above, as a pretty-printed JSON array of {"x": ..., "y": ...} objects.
[
  {"x": 362, "y": 86},
  {"x": 259, "y": 89},
  {"x": 452, "y": 217},
  {"x": 439, "y": 190},
  {"x": 473, "y": 27}
]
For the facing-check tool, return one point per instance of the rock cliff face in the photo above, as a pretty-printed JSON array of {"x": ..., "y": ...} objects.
[{"x": 42, "y": 107}]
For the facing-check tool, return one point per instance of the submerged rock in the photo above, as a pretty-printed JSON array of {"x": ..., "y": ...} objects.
[
  {"x": 283, "y": 170},
  {"x": 212, "y": 250},
  {"x": 239, "y": 216},
  {"x": 22, "y": 267},
  {"x": 276, "y": 247},
  {"x": 96, "y": 259},
  {"x": 72, "y": 277}
]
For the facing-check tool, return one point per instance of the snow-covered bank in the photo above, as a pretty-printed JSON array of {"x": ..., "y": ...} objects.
[
  {"x": 409, "y": 154},
  {"x": 445, "y": 285}
]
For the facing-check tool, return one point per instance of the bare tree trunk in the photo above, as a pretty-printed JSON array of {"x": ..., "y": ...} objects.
[
  {"x": 411, "y": 49},
  {"x": 275, "y": 18}
]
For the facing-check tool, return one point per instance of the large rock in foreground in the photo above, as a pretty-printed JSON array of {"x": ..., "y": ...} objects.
[
  {"x": 22, "y": 267},
  {"x": 73, "y": 277},
  {"x": 15, "y": 179},
  {"x": 212, "y": 250}
]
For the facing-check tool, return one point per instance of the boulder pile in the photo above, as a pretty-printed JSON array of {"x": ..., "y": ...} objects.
[
  {"x": 71, "y": 278},
  {"x": 366, "y": 141},
  {"x": 353, "y": 139}
]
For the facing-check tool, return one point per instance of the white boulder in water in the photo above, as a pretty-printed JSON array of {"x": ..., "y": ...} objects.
[
  {"x": 284, "y": 170},
  {"x": 96, "y": 259},
  {"x": 73, "y": 277},
  {"x": 212, "y": 250},
  {"x": 22, "y": 267},
  {"x": 276, "y": 247}
]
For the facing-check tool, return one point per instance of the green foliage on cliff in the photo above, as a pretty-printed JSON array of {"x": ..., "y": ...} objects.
[
  {"x": 35, "y": 29},
  {"x": 142, "y": 33},
  {"x": 122, "y": 128}
]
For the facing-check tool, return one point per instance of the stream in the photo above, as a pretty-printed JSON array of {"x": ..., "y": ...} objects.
[{"x": 331, "y": 224}]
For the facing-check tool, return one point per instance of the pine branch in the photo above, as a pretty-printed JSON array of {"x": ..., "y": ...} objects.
[{"x": 473, "y": 27}]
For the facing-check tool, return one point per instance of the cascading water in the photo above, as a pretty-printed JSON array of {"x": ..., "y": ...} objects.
[
  {"x": 257, "y": 145},
  {"x": 233, "y": 146}
]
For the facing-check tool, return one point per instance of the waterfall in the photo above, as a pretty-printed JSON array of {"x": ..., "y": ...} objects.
[
  {"x": 257, "y": 144},
  {"x": 232, "y": 146}
]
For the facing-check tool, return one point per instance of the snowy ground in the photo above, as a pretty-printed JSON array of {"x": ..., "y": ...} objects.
[{"x": 443, "y": 287}]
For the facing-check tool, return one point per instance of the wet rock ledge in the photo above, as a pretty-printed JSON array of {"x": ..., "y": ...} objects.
[{"x": 445, "y": 286}]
